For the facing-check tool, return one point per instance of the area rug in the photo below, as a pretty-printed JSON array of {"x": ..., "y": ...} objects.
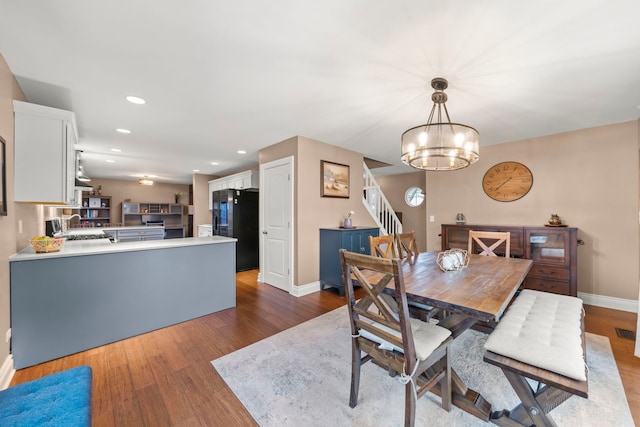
[{"x": 301, "y": 377}]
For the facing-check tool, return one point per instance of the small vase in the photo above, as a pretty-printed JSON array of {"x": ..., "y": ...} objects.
[{"x": 347, "y": 223}]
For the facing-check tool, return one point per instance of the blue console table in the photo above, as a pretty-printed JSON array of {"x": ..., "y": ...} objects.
[{"x": 331, "y": 241}]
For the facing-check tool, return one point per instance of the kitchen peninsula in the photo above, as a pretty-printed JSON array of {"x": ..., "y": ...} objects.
[{"x": 94, "y": 292}]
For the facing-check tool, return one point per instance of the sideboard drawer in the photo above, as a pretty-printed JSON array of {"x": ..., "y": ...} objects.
[
  {"x": 562, "y": 288},
  {"x": 545, "y": 271}
]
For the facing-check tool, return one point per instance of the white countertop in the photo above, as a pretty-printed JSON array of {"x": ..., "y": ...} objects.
[{"x": 103, "y": 246}]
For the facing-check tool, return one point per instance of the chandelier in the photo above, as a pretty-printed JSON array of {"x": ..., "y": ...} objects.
[
  {"x": 145, "y": 181},
  {"x": 440, "y": 145}
]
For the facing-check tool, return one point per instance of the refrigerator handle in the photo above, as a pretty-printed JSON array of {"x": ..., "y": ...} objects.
[{"x": 215, "y": 223}]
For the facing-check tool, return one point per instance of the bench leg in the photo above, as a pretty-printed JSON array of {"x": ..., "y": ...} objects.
[{"x": 535, "y": 406}]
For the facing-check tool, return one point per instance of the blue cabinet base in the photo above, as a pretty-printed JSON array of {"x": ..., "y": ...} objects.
[{"x": 331, "y": 241}]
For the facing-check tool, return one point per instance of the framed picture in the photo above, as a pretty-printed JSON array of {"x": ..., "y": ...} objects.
[
  {"x": 94, "y": 202},
  {"x": 334, "y": 179},
  {"x": 3, "y": 178}
]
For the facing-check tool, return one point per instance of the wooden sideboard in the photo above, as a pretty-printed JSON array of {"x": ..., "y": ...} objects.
[{"x": 554, "y": 251}]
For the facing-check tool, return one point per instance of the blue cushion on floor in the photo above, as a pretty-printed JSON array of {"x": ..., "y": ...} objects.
[{"x": 62, "y": 399}]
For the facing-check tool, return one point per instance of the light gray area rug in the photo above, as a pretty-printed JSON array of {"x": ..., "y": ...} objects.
[{"x": 301, "y": 377}]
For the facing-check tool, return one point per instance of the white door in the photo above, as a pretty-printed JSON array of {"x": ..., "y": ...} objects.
[{"x": 276, "y": 206}]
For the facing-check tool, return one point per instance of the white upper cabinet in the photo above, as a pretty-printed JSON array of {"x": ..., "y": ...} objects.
[
  {"x": 45, "y": 157},
  {"x": 238, "y": 181}
]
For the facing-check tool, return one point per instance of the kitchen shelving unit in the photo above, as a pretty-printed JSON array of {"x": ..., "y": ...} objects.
[
  {"x": 168, "y": 214},
  {"x": 95, "y": 211}
]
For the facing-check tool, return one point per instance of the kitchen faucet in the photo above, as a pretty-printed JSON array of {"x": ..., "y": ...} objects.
[{"x": 66, "y": 220}]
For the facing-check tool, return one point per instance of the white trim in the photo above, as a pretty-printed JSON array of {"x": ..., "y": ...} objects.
[
  {"x": 309, "y": 288},
  {"x": 629, "y": 305},
  {"x": 6, "y": 372}
]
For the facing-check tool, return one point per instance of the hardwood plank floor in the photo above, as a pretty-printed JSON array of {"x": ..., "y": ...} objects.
[{"x": 164, "y": 378}]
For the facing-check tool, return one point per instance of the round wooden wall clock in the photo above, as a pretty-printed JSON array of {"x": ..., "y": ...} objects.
[{"x": 507, "y": 181}]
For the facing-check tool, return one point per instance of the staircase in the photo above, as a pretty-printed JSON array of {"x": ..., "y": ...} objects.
[{"x": 378, "y": 205}]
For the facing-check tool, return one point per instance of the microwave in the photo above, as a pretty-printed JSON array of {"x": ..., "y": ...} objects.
[{"x": 53, "y": 227}]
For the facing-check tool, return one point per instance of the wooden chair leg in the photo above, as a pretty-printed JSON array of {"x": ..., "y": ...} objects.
[
  {"x": 356, "y": 363},
  {"x": 445, "y": 383},
  {"x": 409, "y": 405}
]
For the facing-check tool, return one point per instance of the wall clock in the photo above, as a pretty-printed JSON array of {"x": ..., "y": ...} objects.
[{"x": 507, "y": 181}]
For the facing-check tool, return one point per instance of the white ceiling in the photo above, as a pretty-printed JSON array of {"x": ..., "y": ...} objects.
[{"x": 220, "y": 76}]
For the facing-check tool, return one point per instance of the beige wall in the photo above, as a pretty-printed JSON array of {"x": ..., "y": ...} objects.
[
  {"x": 201, "y": 211},
  {"x": 9, "y": 90},
  {"x": 311, "y": 211},
  {"x": 394, "y": 188},
  {"x": 588, "y": 177}
]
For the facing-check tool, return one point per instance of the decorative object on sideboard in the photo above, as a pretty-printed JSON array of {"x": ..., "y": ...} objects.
[
  {"x": 555, "y": 219},
  {"x": 440, "y": 145},
  {"x": 347, "y": 220},
  {"x": 452, "y": 260},
  {"x": 460, "y": 219},
  {"x": 176, "y": 197}
]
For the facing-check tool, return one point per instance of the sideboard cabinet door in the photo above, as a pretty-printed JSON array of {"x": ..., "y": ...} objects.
[{"x": 334, "y": 239}]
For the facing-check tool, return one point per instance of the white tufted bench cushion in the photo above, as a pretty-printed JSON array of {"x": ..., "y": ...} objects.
[{"x": 543, "y": 330}]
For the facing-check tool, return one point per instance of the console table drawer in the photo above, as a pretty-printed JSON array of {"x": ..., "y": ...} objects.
[
  {"x": 552, "y": 286},
  {"x": 544, "y": 271}
]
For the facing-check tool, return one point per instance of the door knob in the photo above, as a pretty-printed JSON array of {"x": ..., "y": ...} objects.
[{"x": 264, "y": 232}]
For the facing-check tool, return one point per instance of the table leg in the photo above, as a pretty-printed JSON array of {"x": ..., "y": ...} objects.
[{"x": 466, "y": 399}]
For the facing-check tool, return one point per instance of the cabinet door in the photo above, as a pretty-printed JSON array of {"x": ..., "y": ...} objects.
[{"x": 548, "y": 246}]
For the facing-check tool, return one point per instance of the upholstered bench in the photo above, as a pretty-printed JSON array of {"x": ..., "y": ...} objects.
[
  {"x": 61, "y": 399},
  {"x": 541, "y": 337}
]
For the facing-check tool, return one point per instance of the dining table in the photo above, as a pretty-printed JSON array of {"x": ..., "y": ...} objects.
[{"x": 479, "y": 292}]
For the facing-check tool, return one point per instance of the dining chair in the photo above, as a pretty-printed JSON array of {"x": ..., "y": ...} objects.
[
  {"x": 408, "y": 249},
  {"x": 418, "y": 351},
  {"x": 406, "y": 244},
  {"x": 383, "y": 246},
  {"x": 488, "y": 242}
]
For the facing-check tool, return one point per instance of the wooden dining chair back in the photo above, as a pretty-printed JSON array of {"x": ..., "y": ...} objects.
[
  {"x": 389, "y": 337},
  {"x": 406, "y": 245},
  {"x": 383, "y": 246},
  {"x": 488, "y": 241}
]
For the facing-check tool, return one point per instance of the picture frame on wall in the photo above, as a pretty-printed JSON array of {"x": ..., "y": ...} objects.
[
  {"x": 3, "y": 178},
  {"x": 334, "y": 179}
]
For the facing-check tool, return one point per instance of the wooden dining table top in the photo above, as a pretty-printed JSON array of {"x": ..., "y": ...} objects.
[{"x": 482, "y": 290}]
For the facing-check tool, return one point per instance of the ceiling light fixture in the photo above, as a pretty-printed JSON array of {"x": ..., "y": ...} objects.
[
  {"x": 242, "y": 152},
  {"x": 80, "y": 172},
  {"x": 145, "y": 181},
  {"x": 123, "y": 130},
  {"x": 136, "y": 100},
  {"x": 110, "y": 161},
  {"x": 116, "y": 150},
  {"x": 438, "y": 145}
]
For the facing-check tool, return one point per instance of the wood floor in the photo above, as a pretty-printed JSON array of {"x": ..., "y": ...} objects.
[{"x": 165, "y": 378}]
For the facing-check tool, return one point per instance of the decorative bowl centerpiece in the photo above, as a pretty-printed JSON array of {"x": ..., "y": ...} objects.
[
  {"x": 452, "y": 260},
  {"x": 44, "y": 244}
]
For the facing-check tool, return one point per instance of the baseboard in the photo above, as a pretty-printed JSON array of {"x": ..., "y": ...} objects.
[
  {"x": 6, "y": 372},
  {"x": 629, "y": 305},
  {"x": 309, "y": 288}
]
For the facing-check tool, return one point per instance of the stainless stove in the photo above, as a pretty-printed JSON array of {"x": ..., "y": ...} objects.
[{"x": 89, "y": 236}]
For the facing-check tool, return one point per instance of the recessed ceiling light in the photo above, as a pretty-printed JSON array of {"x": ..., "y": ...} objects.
[
  {"x": 116, "y": 150},
  {"x": 123, "y": 130},
  {"x": 196, "y": 170},
  {"x": 214, "y": 163},
  {"x": 136, "y": 100},
  {"x": 110, "y": 161},
  {"x": 242, "y": 152}
]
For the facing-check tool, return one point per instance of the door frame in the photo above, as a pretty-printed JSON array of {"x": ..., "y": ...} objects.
[{"x": 286, "y": 161}]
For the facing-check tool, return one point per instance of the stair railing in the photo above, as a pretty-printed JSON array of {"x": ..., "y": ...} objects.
[{"x": 378, "y": 206}]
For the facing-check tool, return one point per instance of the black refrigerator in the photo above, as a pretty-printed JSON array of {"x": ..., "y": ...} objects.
[{"x": 235, "y": 214}]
